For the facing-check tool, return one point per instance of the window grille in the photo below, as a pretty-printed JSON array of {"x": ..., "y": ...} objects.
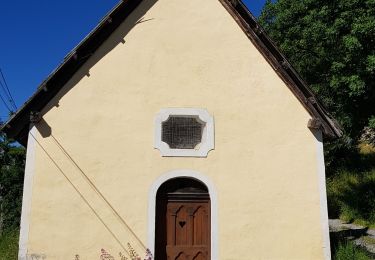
[{"x": 182, "y": 132}]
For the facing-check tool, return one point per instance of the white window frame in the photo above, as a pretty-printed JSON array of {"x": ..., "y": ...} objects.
[{"x": 208, "y": 139}]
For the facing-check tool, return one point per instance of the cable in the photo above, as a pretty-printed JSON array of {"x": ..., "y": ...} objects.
[
  {"x": 5, "y": 104},
  {"x": 3, "y": 119},
  {"x": 9, "y": 94},
  {"x": 98, "y": 191},
  {"x": 80, "y": 194},
  {"x": 128, "y": 251},
  {"x": 7, "y": 91}
]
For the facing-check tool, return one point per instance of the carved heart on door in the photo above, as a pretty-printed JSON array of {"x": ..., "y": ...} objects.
[{"x": 182, "y": 223}]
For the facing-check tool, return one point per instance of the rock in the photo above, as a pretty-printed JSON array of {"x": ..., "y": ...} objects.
[{"x": 361, "y": 236}]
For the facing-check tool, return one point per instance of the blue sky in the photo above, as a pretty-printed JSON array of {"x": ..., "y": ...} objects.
[{"x": 36, "y": 36}]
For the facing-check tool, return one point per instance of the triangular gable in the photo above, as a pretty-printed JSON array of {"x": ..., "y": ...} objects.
[{"x": 18, "y": 125}]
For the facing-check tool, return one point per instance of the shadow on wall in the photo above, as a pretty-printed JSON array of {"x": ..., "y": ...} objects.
[
  {"x": 116, "y": 38},
  {"x": 45, "y": 131},
  {"x": 136, "y": 18},
  {"x": 317, "y": 134}
]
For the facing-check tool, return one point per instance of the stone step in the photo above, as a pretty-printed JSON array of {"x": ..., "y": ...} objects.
[{"x": 361, "y": 236}]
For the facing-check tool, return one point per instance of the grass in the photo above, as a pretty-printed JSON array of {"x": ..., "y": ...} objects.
[
  {"x": 9, "y": 245},
  {"x": 351, "y": 197},
  {"x": 351, "y": 191},
  {"x": 349, "y": 251}
]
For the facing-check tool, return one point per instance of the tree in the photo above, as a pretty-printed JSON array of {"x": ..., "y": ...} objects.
[
  {"x": 332, "y": 45},
  {"x": 12, "y": 162}
]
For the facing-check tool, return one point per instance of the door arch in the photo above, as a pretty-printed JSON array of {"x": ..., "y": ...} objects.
[
  {"x": 183, "y": 220},
  {"x": 214, "y": 206}
]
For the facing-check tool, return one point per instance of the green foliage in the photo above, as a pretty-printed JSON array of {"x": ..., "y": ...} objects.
[
  {"x": 9, "y": 245},
  {"x": 348, "y": 251},
  {"x": 12, "y": 162},
  {"x": 351, "y": 196},
  {"x": 372, "y": 122},
  {"x": 331, "y": 44}
]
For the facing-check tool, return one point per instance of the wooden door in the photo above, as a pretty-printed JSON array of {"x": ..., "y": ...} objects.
[{"x": 183, "y": 226}]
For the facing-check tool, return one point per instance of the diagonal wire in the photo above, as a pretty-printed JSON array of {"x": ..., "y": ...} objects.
[
  {"x": 80, "y": 194},
  {"x": 3, "y": 119},
  {"x": 98, "y": 191},
  {"x": 9, "y": 94},
  {"x": 7, "y": 91},
  {"x": 5, "y": 103},
  {"x": 4, "y": 88}
]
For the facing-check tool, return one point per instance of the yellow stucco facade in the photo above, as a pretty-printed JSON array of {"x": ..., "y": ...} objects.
[{"x": 92, "y": 163}]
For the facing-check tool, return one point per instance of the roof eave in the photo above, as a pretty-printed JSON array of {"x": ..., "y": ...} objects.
[
  {"x": 257, "y": 35},
  {"x": 17, "y": 125}
]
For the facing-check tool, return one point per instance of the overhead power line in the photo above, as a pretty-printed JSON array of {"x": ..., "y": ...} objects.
[
  {"x": 6, "y": 98},
  {"x": 5, "y": 103},
  {"x": 8, "y": 94},
  {"x": 3, "y": 119}
]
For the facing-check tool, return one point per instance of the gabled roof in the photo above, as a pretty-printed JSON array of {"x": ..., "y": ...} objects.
[{"x": 17, "y": 126}]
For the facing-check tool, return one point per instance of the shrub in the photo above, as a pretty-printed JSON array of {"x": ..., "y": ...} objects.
[{"x": 12, "y": 163}]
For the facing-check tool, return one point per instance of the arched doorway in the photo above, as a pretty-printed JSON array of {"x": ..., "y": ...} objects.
[{"x": 182, "y": 223}]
